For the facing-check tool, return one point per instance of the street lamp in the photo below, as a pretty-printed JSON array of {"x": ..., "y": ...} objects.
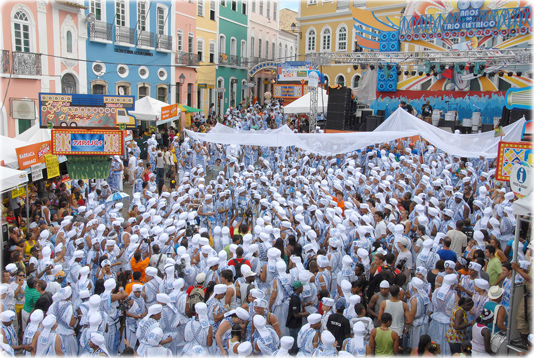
[
  {"x": 179, "y": 84},
  {"x": 293, "y": 27}
]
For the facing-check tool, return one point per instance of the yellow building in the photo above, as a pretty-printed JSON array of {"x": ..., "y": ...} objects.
[
  {"x": 206, "y": 35},
  {"x": 328, "y": 26}
]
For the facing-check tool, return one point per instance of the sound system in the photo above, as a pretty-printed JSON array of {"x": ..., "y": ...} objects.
[
  {"x": 510, "y": 116},
  {"x": 381, "y": 112},
  {"x": 340, "y": 111},
  {"x": 372, "y": 122}
]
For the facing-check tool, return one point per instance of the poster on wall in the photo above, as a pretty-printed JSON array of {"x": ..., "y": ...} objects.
[
  {"x": 85, "y": 110},
  {"x": 87, "y": 142},
  {"x": 32, "y": 154},
  {"x": 509, "y": 154}
]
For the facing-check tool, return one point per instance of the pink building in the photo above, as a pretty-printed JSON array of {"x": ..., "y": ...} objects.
[{"x": 43, "y": 50}]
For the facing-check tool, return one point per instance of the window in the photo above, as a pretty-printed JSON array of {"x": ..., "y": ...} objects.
[
  {"x": 199, "y": 97},
  {"x": 120, "y": 13},
  {"x": 222, "y": 44},
  {"x": 326, "y": 39},
  {"x": 244, "y": 7},
  {"x": 310, "y": 40},
  {"x": 223, "y": 3},
  {"x": 99, "y": 87},
  {"x": 190, "y": 44},
  {"x": 200, "y": 8},
  {"x": 162, "y": 93},
  {"x": 21, "y": 27},
  {"x": 234, "y": 5},
  {"x": 261, "y": 7},
  {"x": 266, "y": 49},
  {"x": 312, "y": 2},
  {"x": 355, "y": 80},
  {"x": 233, "y": 46},
  {"x": 95, "y": 7},
  {"x": 200, "y": 50},
  {"x": 189, "y": 93},
  {"x": 212, "y": 10},
  {"x": 259, "y": 48},
  {"x": 253, "y": 5},
  {"x": 179, "y": 40},
  {"x": 252, "y": 52},
  {"x": 280, "y": 54},
  {"x": 268, "y": 12},
  {"x": 273, "y": 51},
  {"x": 286, "y": 54},
  {"x": 123, "y": 71},
  {"x": 162, "y": 19},
  {"x": 69, "y": 41},
  {"x": 274, "y": 11},
  {"x": 141, "y": 16},
  {"x": 212, "y": 51},
  {"x": 143, "y": 90},
  {"x": 123, "y": 88},
  {"x": 243, "y": 48},
  {"x": 99, "y": 68},
  {"x": 342, "y": 39},
  {"x": 340, "y": 80},
  {"x": 291, "y": 53},
  {"x": 143, "y": 72},
  {"x": 162, "y": 74},
  {"x": 68, "y": 83}
]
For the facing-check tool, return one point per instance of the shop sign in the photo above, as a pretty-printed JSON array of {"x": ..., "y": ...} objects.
[
  {"x": 52, "y": 166},
  {"x": 85, "y": 110},
  {"x": 15, "y": 193},
  {"x": 37, "y": 172},
  {"x": 169, "y": 111},
  {"x": 87, "y": 142},
  {"x": 32, "y": 154},
  {"x": 287, "y": 91}
]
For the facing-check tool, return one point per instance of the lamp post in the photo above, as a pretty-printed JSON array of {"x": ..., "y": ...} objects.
[{"x": 179, "y": 85}]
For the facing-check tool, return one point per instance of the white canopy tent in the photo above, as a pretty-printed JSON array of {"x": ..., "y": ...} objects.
[
  {"x": 148, "y": 109},
  {"x": 35, "y": 134},
  {"x": 11, "y": 178},
  {"x": 8, "y": 153},
  {"x": 302, "y": 105},
  {"x": 524, "y": 206}
]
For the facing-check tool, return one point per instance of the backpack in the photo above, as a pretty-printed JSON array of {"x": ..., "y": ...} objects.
[
  {"x": 196, "y": 296},
  {"x": 238, "y": 265}
]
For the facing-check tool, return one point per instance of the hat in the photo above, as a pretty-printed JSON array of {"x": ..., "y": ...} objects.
[
  {"x": 314, "y": 318},
  {"x": 482, "y": 284},
  {"x": 297, "y": 284},
  {"x": 384, "y": 284},
  {"x": 7, "y": 316},
  {"x": 220, "y": 289},
  {"x": 201, "y": 277},
  {"x": 327, "y": 338},
  {"x": 327, "y": 301},
  {"x": 495, "y": 292},
  {"x": 244, "y": 349},
  {"x": 486, "y": 314},
  {"x": 341, "y": 303},
  {"x": 151, "y": 271}
]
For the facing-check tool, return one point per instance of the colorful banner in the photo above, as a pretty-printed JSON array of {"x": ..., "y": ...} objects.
[
  {"x": 32, "y": 154},
  {"x": 18, "y": 192},
  {"x": 52, "y": 166},
  {"x": 509, "y": 154},
  {"x": 85, "y": 110},
  {"x": 87, "y": 142},
  {"x": 168, "y": 112},
  {"x": 287, "y": 91}
]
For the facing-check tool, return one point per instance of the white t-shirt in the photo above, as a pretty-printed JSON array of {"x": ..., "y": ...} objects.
[
  {"x": 458, "y": 240},
  {"x": 380, "y": 229},
  {"x": 132, "y": 163}
]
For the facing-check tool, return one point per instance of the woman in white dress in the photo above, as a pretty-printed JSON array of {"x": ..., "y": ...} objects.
[{"x": 198, "y": 331}]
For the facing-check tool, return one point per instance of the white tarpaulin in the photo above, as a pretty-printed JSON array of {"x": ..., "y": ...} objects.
[
  {"x": 8, "y": 153},
  {"x": 35, "y": 134},
  {"x": 302, "y": 105},
  {"x": 148, "y": 109},
  {"x": 366, "y": 90},
  {"x": 11, "y": 178},
  {"x": 400, "y": 124}
]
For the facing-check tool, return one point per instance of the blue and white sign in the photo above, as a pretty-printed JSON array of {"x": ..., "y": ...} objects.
[{"x": 521, "y": 179}]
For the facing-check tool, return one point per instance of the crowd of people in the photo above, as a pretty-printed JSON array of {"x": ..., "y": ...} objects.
[{"x": 398, "y": 248}]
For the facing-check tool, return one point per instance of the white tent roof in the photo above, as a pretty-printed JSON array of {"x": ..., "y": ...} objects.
[
  {"x": 7, "y": 151},
  {"x": 35, "y": 134},
  {"x": 302, "y": 105},
  {"x": 10, "y": 178},
  {"x": 523, "y": 206},
  {"x": 148, "y": 109}
]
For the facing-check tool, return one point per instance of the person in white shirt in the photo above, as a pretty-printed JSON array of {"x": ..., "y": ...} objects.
[
  {"x": 380, "y": 227},
  {"x": 132, "y": 165}
]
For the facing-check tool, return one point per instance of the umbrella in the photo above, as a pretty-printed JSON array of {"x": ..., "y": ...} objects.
[{"x": 117, "y": 196}]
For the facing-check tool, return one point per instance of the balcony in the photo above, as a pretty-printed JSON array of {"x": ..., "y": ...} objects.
[
  {"x": 223, "y": 59},
  {"x": 100, "y": 31},
  {"x": 163, "y": 42},
  {"x": 186, "y": 59},
  {"x": 244, "y": 62},
  {"x": 234, "y": 60},
  {"x": 5, "y": 62},
  {"x": 145, "y": 39},
  {"x": 125, "y": 36},
  {"x": 26, "y": 64},
  {"x": 342, "y": 5},
  {"x": 253, "y": 61}
]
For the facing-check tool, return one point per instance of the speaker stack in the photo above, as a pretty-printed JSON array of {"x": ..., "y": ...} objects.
[{"x": 340, "y": 111}]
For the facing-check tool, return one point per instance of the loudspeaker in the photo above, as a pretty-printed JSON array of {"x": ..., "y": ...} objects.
[
  {"x": 510, "y": 116},
  {"x": 339, "y": 109},
  {"x": 381, "y": 112},
  {"x": 366, "y": 113}
]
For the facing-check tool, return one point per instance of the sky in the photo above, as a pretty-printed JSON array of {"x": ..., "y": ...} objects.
[{"x": 289, "y": 4}]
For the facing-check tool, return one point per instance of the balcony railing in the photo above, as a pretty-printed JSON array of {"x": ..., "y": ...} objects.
[
  {"x": 100, "y": 31},
  {"x": 125, "y": 35},
  {"x": 5, "y": 64},
  {"x": 252, "y": 61},
  {"x": 145, "y": 39},
  {"x": 342, "y": 5},
  {"x": 26, "y": 63},
  {"x": 234, "y": 60},
  {"x": 244, "y": 62},
  {"x": 223, "y": 59},
  {"x": 186, "y": 59},
  {"x": 163, "y": 42}
]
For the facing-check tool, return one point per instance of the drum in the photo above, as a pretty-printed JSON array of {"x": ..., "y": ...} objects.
[
  {"x": 435, "y": 117},
  {"x": 476, "y": 118},
  {"x": 450, "y": 116},
  {"x": 467, "y": 122}
]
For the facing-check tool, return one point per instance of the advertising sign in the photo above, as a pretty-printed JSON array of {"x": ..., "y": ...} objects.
[
  {"x": 18, "y": 192},
  {"x": 169, "y": 112},
  {"x": 87, "y": 142},
  {"x": 287, "y": 91},
  {"x": 52, "y": 166},
  {"x": 85, "y": 110},
  {"x": 509, "y": 154},
  {"x": 32, "y": 154},
  {"x": 37, "y": 172},
  {"x": 521, "y": 180}
]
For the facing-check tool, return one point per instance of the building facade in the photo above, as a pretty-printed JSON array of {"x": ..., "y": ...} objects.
[
  {"x": 43, "y": 50},
  {"x": 186, "y": 60},
  {"x": 207, "y": 13}
]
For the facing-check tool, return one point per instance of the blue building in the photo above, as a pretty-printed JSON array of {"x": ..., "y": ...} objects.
[{"x": 129, "y": 48}]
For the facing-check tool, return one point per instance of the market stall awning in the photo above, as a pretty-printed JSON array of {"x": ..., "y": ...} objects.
[
  {"x": 148, "y": 109},
  {"x": 8, "y": 153},
  {"x": 188, "y": 109},
  {"x": 11, "y": 178},
  {"x": 35, "y": 134},
  {"x": 303, "y": 104}
]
